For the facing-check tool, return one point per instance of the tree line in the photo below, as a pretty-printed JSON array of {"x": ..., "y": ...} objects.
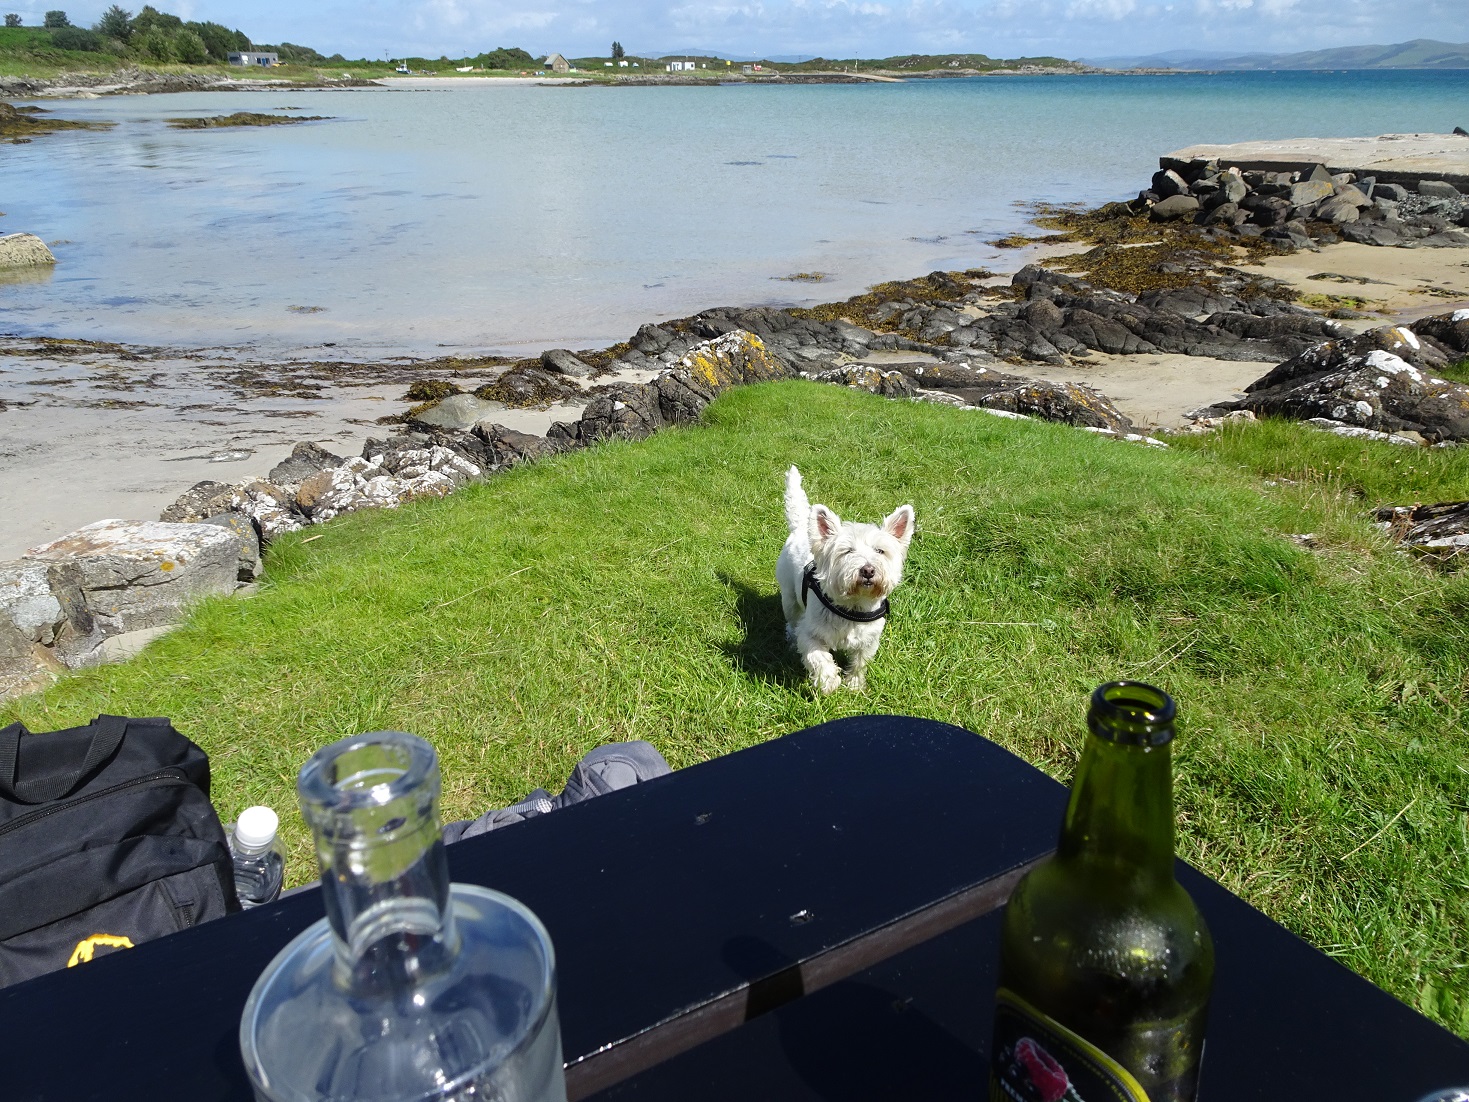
[
  {"x": 150, "y": 35},
  {"x": 153, "y": 35}
]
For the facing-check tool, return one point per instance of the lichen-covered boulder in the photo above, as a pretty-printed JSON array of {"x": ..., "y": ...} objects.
[
  {"x": 272, "y": 508},
  {"x": 987, "y": 388},
  {"x": 199, "y": 502},
  {"x": 1331, "y": 355},
  {"x": 24, "y": 250},
  {"x": 33, "y": 621},
  {"x": 682, "y": 395},
  {"x": 679, "y": 393},
  {"x": 732, "y": 359},
  {"x": 250, "y": 563},
  {"x": 384, "y": 481},
  {"x": 1381, "y": 380},
  {"x": 143, "y": 574},
  {"x": 1449, "y": 330},
  {"x": 1066, "y": 403},
  {"x": 305, "y": 460},
  {"x": 890, "y": 384},
  {"x": 329, "y": 493}
]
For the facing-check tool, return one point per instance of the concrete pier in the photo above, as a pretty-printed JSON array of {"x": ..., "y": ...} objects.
[{"x": 1391, "y": 158}]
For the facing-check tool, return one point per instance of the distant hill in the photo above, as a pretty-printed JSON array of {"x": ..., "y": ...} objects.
[
  {"x": 1169, "y": 59},
  {"x": 1421, "y": 53}
]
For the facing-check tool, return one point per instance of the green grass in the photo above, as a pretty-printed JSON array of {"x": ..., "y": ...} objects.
[
  {"x": 627, "y": 592},
  {"x": 1346, "y": 477},
  {"x": 1457, "y": 372}
]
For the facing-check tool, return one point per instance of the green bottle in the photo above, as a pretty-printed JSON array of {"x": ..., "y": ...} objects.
[{"x": 1105, "y": 962}]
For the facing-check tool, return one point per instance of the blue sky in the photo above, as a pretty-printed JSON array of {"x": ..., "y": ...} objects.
[{"x": 832, "y": 28}]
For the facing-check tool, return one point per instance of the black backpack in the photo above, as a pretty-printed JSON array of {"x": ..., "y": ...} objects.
[{"x": 107, "y": 839}]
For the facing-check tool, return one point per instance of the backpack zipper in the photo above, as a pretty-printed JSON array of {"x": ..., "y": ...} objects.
[{"x": 163, "y": 776}]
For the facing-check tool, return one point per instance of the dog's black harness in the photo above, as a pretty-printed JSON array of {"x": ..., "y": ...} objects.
[{"x": 810, "y": 584}]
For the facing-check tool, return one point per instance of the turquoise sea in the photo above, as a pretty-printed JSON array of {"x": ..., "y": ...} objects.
[{"x": 523, "y": 217}]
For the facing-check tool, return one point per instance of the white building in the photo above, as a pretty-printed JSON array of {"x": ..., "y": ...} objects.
[
  {"x": 253, "y": 57},
  {"x": 680, "y": 66}
]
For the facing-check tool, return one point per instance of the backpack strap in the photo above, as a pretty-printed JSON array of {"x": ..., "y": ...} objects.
[{"x": 107, "y": 734}]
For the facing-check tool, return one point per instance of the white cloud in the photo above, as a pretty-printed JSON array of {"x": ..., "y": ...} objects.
[{"x": 1105, "y": 9}]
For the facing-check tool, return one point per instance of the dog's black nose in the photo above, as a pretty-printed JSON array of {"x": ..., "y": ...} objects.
[{"x": 867, "y": 573}]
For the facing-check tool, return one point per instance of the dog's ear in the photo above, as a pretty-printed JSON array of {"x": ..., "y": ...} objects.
[
  {"x": 823, "y": 524},
  {"x": 899, "y": 524}
]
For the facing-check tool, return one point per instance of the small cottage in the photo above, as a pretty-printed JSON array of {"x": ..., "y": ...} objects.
[{"x": 557, "y": 64}]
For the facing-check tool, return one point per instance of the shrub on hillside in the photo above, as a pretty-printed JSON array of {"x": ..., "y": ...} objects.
[
  {"x": 155, "y": 44},
  {"x": 219, "y": 40},
  {"x": 77, "y": 38},
  {"x": 189, "y": 48},
  {"x": 505, "y": 58}
]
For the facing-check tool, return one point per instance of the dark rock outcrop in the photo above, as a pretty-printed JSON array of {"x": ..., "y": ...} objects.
[
  {"x": 1381, "y": 380},
  {"x": 200, "y": 502},
  {"x": 679, "y": 394},
  {"x": 304, "y": 461},
  {"x": 1067, "y": 403},
  {"x": 564, "y": 362},
  {"x": 1438, "y": 531}
]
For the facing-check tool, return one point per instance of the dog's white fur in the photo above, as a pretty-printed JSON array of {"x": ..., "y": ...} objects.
[{"x": 857, "y": 565}]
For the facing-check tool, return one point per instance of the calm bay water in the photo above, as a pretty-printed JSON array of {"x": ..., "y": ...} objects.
[{"x": 523, "y": 217}]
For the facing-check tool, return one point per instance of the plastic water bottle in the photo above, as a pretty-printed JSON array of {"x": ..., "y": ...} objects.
[
  {"x": 412, "y": 989},
  {"x": 260, "y": 863}
]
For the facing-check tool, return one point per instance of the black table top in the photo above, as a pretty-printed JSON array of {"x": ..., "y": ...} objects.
[
  {"x": 677, "y": 908},
  {"x": 1286, "y": 1024},
  {"x": 808, "y": 913}
]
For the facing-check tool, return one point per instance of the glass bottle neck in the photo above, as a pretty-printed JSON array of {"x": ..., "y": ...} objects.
[
  {"x": 372, "y": 802},
  {"x": 1121, "y": 809},
  {"x": 392, "y": 926}
]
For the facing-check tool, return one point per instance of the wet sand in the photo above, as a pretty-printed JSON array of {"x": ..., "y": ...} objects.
[{"x": 91, "y": 434}]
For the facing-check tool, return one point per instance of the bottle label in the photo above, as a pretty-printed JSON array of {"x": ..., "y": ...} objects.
[{"x": 1036, "y": 1059}]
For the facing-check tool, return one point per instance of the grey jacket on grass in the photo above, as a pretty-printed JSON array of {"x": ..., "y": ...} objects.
[{"x": 605, "y": 769}]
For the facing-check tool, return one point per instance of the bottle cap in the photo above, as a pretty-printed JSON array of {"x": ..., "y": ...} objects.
[{"x": 256, "y": 827}]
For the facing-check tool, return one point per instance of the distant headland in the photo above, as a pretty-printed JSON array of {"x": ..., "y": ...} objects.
[{"x": 155, "y": 51}]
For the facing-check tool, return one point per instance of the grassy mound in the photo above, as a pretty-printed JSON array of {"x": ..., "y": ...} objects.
[{"x": 628, "y": 592}]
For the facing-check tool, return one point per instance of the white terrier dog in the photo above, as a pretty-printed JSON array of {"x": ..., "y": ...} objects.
[{"x": 834, "y": 582}]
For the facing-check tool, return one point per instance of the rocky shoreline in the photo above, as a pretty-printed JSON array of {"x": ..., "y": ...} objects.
[
  {"x": 133, "y": 81},
  {"x": 1177, "y": 284}
]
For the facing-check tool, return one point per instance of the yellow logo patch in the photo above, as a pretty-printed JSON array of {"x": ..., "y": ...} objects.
[{"x": 88, "y": 945}]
